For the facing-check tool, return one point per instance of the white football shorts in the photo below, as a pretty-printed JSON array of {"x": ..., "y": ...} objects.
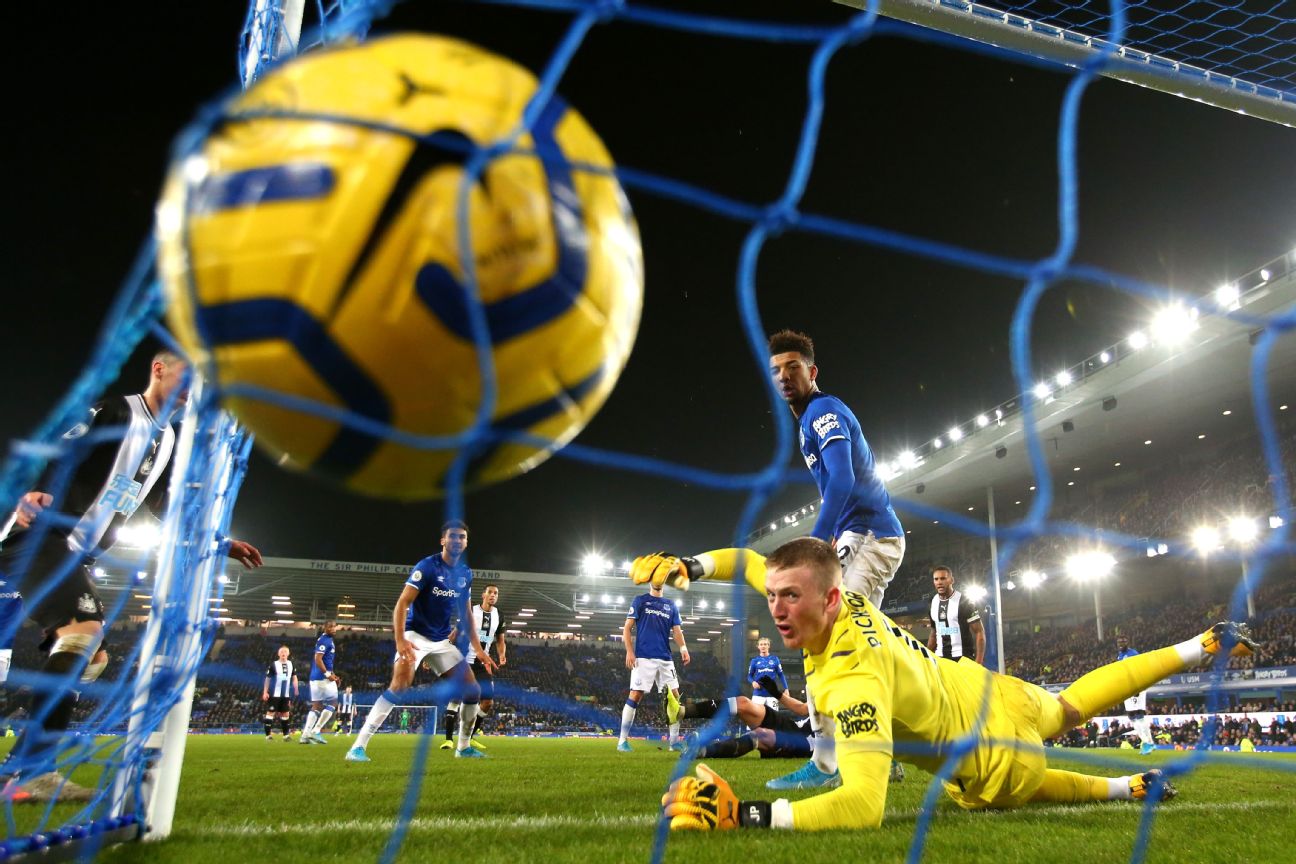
[
  {"x": 648, "y": 673},
  {"x": 1137, "y": 702},
  {"x": 769, "y": 702},
  {"x": 6, "y": 657},
  {"x": 324, "y": 691},
  {"x": 442, "y": 656},
  {"x": 869, "y": 563}
]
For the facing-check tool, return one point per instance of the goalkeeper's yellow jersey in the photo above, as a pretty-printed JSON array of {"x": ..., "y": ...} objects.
[{"x": 887, "y": 694}]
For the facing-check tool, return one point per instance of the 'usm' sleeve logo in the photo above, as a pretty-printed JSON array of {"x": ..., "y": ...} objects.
[
  {"x": 825, "y": 424},
  {"x": 857, "y": 720}
]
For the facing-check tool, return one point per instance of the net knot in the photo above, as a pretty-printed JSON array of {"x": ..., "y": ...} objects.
[
  {"x": 777, "y": 218},
  {"x": 606, "y": 10}
]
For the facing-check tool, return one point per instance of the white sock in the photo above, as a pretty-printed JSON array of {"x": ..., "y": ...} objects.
[
  {"x": 1118, "y": 789},
  {"x": 374, "y": 720},
  {"x": 325, "y": 716},
  {"x": 309, "y": 726},
  {"x": 627, "y": 718},
  {"x": 467, "y": 719},
  {"x": 1191, "y": 652},
  {"x": 1143, "y": 726},
  {"x": 674, "y": 732},
  {"x": 824, "y": 754}
]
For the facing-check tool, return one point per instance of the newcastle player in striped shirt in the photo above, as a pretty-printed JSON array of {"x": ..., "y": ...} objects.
[
  {"x": 955, "y": 621},
  {"x": 346, "y": 712},
  {"x": 114, "y": 477},
  {"x": 278, "y": 691},
  {"x": 486, "y": 618}
]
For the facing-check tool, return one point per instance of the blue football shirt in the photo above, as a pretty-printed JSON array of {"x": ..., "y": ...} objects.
[
  {"x": 762, "y": 666},
  {"x": 443, "y": 592},
  {"x": 323, "y": 645},
  {"x": 1128, "y": 652},
  {"x": 827, "y": 420},
  {"x": 654, "y": 617}
]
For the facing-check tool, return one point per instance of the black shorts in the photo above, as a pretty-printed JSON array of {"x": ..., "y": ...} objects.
[
  {"x": 786, "y": 722},
  {"x": 791, "y": 734},
  {"x": 279, "y": 705},
  {"x": 52, "y": 605}
]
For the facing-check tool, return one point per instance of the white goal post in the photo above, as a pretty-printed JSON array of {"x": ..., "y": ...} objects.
[{"x": 1021, "y": 34}]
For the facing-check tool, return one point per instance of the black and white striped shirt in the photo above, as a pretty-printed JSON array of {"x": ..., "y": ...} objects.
[
  {"x": 487, "y": 626},
  {"x": 113, "y": 479},
  {"x": 348, "y": 703},
  {"x": 279, "y": 675},
  {"x": 952, "y": 620}
]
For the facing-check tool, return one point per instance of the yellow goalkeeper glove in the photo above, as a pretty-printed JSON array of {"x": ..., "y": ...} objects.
[
  {"x": 706, "y": 803},
  {"x": 661, "y": 568}
]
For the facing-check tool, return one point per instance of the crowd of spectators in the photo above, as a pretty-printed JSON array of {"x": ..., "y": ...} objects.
[
  {"x": 561, "y": 687},
  {"x": 1166, "y": 503},
  {"x": 1227, "y": 732},
  {"x": 1061, "y": 654}
]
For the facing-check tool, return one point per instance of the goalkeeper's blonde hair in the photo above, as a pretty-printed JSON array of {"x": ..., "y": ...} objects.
[{"x": 809, "y": 552}]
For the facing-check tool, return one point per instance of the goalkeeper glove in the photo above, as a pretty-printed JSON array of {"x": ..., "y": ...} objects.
[
  {"x": 706, "y": 803},
  {"x": 662, "y": 568},
  {"x": 769, "y": 685}
]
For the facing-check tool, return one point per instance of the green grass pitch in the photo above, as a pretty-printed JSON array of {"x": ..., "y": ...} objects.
[{"x": 244, "y": 799}]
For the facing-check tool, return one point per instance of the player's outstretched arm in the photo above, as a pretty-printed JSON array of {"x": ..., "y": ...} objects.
[{"x": 722, "y": 565}]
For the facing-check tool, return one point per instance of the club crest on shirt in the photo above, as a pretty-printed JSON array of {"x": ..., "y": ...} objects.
[
  {"x": 858, "y": 719},
  {"x": 86, "y": 604}
]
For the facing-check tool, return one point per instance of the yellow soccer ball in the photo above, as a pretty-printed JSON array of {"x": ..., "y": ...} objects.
[{"x": 309, "y": 247}]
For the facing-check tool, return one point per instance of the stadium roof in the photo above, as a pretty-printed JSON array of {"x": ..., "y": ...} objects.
[
  {"x": 361, "y": 594},
  {"x": 1125, "y": 405}
]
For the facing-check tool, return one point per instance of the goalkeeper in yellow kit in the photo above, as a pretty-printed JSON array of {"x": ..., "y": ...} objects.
[{"x": 884, "y": 693}]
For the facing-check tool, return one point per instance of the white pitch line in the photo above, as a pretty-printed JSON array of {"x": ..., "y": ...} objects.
[
  {"x": 1168, "y": 809},
  {"x": 427, "y": 823},
  {"x": 497, "y": 823}
]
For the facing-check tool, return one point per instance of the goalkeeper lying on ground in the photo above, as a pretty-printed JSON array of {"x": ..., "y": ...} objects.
[{"x": 886, "y": 693}]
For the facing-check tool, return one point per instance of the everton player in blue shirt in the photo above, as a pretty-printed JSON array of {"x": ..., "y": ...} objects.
[
  {"x": 433, "y": 601},
  {"x": 766, "y": 665},
  {"x": 855, "y": 516},
  {"x": 653, "y": 621},
  {"x": 323, "y": 687}
]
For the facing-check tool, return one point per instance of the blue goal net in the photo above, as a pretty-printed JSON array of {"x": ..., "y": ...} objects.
[{"x": 123, "y": 761}]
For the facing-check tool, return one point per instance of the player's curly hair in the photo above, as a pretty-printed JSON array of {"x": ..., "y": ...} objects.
[
  {"x": 810, "y": 552},
  {"x": 792, "y": 340}
]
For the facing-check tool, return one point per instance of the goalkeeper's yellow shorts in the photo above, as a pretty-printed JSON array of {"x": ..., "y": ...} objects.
[{"x": 1007, "y": 765}]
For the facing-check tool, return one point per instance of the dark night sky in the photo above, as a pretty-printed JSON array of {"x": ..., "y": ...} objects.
[{"x": 922, "y": 140}]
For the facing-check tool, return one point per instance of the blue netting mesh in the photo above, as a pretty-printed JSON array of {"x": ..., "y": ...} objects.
[
  {"x": 200, "y": 519},
  {"x": 1254, "y": 41}
]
